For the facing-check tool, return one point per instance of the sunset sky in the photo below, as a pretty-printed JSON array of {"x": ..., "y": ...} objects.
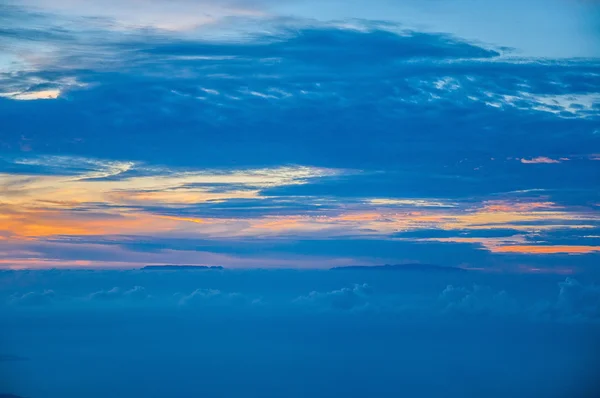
[
  {"x": 300, "y": 134},
  {"x": 398, "y": 198}
]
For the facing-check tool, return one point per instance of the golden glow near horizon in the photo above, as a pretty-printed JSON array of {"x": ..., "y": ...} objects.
[
  {"x": 32, "y": 95},
  {"x": 125, "y": 198}
]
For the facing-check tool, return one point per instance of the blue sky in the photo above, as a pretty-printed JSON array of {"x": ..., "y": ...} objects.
[{"x": 300, "y": 134}]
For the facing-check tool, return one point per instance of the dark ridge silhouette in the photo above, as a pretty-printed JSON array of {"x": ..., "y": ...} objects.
[
  {"x": 9, "y": 396},
  {"x": 179, "y": 267},
  {"x": 400, "y": 267}
]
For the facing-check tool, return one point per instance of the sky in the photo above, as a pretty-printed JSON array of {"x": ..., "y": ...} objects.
[
  {"x": 300, "y": 134},
  {"x": 288, "y": 142}
]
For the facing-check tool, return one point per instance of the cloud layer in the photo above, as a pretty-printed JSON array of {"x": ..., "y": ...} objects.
[
  {"x": 392, "y": 331},
  {"x": 567, "y": 301},
  {"x": 305, "y": 143}
]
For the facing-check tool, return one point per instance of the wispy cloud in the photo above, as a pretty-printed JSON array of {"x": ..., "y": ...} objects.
[
  {"x": 33, "y": 95},
  {"x": 304, "y": 135},
  {"x": 550, "y": 249},
  {"x": 50, "y": 198},
  {"x": 542, "y": 160}
]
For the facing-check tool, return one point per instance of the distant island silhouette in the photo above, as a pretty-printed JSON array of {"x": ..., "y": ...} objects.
[
  {"x": 386, "y": 267},
  {"x": 180, "y": 267},
  {"x": 400, "y": 267}
]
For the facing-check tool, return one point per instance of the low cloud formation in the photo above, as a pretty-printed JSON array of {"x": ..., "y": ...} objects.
[
  {"x": 542, "y": 159},
  {"x": 574, "y": 302},
  {"x": 389, "y": 294},
  {"x": 213, "y": 297},
  {"x": 34, "y": 299},
  {"x": 135, "y": 293},
  {"x": 579, "y": 301},
  {"x": 478, "y": 300},
  {"x": 347, "y": 298}
]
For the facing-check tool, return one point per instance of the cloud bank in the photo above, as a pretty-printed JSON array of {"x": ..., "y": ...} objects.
[{"x": 566, "y": 300}]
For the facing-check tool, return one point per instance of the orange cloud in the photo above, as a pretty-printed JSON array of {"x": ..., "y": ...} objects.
[
  {"x": 539, "y": 249},
  {"x": 180, "y": 196},
  {"x": 358, "y": 217},
  {"x": 42, "y": 223},
  {"x": 38, "y": 206},
  {"x": 33, "y": 95},
  {"x": 517, "y": 244},
  {"x": 504, "y": 206}
]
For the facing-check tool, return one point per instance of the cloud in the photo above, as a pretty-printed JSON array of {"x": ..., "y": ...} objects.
[
  {"x": 575, "y": 302},
  {"x": 50, "y": 43},
  {"x": 408, "y": 296},
  {"x": 578, "y": 300},
  {"x": 136, "y": 293},
  {"x": 347, "y": 298},
  {"x": 167, "y": 136},
  {"x": 410, "y": 203},
  {"x": 478, "y": 300},
  {"x": 33, "y": 299},
  {"x": 133, "y": 237},
  {"x": 540, "y": 159},
  {"x": 214, "y": 297},
  {"x": 129, "y": 184},
  {"x": 547, "y": 249},
  {"x": 385, "y": 321},
  {"x": 33, "y": 95},
  {"x": 177, "y": 16}
]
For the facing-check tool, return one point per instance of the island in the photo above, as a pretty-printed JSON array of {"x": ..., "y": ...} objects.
[
  {"x": 400, "y": 267},
  {"x": 180, "y": 267}
]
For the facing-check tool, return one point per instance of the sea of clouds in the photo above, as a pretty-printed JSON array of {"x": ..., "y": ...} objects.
[{"x": 274, "y": 333}]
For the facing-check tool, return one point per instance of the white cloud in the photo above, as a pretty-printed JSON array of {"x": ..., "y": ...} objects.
[
  {"x": 410, "y": 202},
  {"x": 116, "y": 293},
  {"x": 33, "y": 95},
  {"x": 64, "y": 176},
  {"x": 562, "y": 105},
  {"x": 541, "y": 159},
  {"x": 213, "y": 297},
  {"x": 174, "y": 15}
]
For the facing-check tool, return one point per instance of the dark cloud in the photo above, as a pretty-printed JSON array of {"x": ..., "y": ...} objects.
[
  {"x": 312, "y": 47},
  {"x": 366, "y": 86},
  {"x": 417, "y": 115}
]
